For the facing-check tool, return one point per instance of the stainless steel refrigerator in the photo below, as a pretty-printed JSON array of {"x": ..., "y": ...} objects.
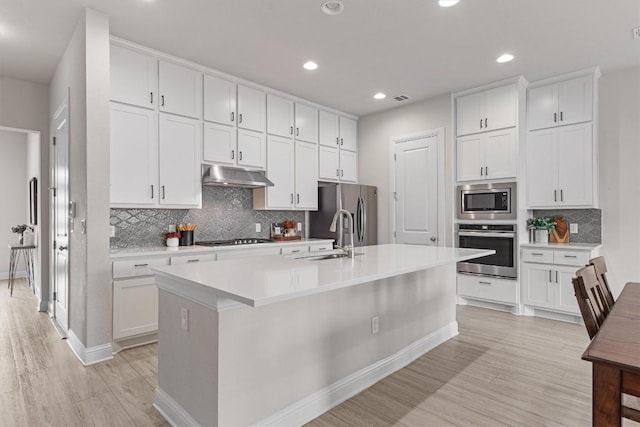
[{"x": 360, "y": 200}]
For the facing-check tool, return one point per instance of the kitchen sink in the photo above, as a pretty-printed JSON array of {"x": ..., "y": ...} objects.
[
  {"x": 327, "y": 256},
  {"x": 334, "y": 254}
]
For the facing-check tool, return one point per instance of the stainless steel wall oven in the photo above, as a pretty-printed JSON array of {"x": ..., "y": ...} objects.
[{"x": 500, "y": 237}]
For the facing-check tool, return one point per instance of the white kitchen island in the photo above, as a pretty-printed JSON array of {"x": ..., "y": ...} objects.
[{"x": 277, "y": 341}]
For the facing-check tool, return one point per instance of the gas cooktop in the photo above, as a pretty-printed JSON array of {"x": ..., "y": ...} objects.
[{"x": 233, "y": 242}]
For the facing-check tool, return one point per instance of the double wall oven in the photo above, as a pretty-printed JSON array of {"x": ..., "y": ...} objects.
[{"x": 482, "y": 204}]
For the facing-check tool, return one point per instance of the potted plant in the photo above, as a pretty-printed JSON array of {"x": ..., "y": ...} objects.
[
  {"x": 173, "y": 239},
  {"x": 541, "y": 228},
  {"x": 20, "y": 229}
]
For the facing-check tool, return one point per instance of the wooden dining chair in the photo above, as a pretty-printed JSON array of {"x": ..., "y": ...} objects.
[
  {"x": 601, "y": 272},
  {"x": 593, "y": 306}
]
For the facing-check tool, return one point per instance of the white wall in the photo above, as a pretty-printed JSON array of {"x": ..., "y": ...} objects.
[
  {"x": 619, "y": 139},
  {"x": 84, "y": 72},
  {"x": 25, "y": 105},
  {"x": 375, "y": 132},
  {"x": 14, "y": 192}
]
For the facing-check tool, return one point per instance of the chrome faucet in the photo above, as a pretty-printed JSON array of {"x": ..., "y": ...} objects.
[{"x": 348, "y": 248}]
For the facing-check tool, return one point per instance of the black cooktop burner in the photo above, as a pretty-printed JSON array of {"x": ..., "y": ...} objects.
[{"x": 233, "y": 242}]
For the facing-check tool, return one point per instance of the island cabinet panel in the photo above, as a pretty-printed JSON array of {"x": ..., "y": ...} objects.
[{"x": 135, "y": 307}]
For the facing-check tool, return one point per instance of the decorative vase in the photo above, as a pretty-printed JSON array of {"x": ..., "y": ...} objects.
[
  {"x": 173, "y": 242},
  {"x": 28, "y": 238},
  {"x": 541, "y": 236}
]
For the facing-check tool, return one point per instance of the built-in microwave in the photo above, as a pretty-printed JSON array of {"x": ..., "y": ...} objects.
[{"x": 487, "y": 201}]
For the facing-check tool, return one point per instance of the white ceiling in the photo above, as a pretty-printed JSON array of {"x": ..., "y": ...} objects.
[{"x": 410, "y": 47}]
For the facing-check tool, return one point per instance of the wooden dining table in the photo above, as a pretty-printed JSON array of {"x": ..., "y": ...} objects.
[{"x": 615, "y": 355}]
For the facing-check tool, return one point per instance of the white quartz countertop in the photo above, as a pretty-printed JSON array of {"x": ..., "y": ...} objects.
[
  {"x": 180, "y": 250},
  {"x": 583, "y": 246},
  {"x": 266, "y": 280}
]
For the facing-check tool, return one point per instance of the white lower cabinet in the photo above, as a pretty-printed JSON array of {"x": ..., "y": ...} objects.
[
  {"x": 491, "y": 289},
  {"x": 135, "y": 307},
  {"x": 546, "y": 277}
]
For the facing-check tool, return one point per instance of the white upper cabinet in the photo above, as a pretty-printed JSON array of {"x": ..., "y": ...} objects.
[
  {"x": 328, "y": 163},
  {"x": 348, "y": 134},
  {"x": 279, "y": 116},
  {"x": 329, "y": 129},
  {"x": 488, "y": 110},
  {"x": 180, "y": 180},
  {"x": 280, "y": 171},
  {"x": 134, "y": 156},
  {"x": 306, "y": 176},
  {"x": 560, "y": 167},
  {"x": 219, "y": 144},
  {"x": 491, "y": 155},
  {"x": 252, "y": 149},
  {"x": 133, "y": 77},
  {"x": 180, "y": 90},
  {"x": 306, "y": 123},
  {"x": 348, "y": 166},
  {"x": 251, "y": 109},
  {"x": 219, "y": 100},
  {"x": 563, "y": 103}
]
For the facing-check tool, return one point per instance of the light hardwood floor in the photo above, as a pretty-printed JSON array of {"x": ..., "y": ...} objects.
[{"x": 501, "y": 370}]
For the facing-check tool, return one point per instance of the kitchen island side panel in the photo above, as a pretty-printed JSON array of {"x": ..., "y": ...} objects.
[{"x": 273, "y": 356}]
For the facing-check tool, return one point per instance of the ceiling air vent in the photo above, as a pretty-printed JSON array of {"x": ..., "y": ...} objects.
[{"x": 400, "y": 98}]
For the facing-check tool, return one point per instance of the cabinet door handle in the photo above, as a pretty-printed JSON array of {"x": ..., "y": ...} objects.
[
  {"x": 240, "y": 118},
  {"x": 562, "y": 195},
  {"x": 561, "y": 118},
  {"x": 555, "y": 195},
  {"x": 151, "y": 94},
  {"x": 570, "y": 256},
  {"x": 290, "y": 130},
  {"x": 163, "y": 192},
  {"x": 486, "y": 171},
  {"x": 555, "y": 117},
  {"x": 341, "y": 172},
  {"x": 193, "y": 260},
  {"x": 298, "y": 198},
  {"x": 297, "y": 131},
  {"x": 484, "y": 283},
  {"x": 341, "y": 141},
  {"x": 486, "y": 123},
  {"x": 337, "y": 140},
  {"x": 152, "y": 191},
  {"x": 232, "y": 116},
  {"x": 481, "y": 169},
  {"x": 550, "y": 281},
  {"x": 162, "y": 100},
  {"x": 140, "y": 265},
  {"x": 291, "y": 198},
  {"x": 296, "y": 251},
  {"x": 536, "y": 254},
  {"x": 556, "y": 276},
  {"x": 480, "y": 123},
  {"x": 233, "y": 154},
  {"x": 240, "y": 155}
]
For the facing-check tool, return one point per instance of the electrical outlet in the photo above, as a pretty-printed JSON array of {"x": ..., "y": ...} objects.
[
  {"x": 112, "y": 231},
  {"x": 172, "y": 228},
  {"x": 573, "y": 228},
  {"x": 258, "y": 227},
  {"x": 184, "y": 319},
  {"x": 636, "y": 33},
  {"x": 299, "y": 226},
  {"x": 375, "y": 325}
]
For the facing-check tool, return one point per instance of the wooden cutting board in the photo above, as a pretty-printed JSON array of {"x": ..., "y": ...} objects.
[{"x": 561, "y": 233}]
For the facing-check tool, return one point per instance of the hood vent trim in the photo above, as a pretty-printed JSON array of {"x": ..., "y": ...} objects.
[{"x": 222, "y": 176}]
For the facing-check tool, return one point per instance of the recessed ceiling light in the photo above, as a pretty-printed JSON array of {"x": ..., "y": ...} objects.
[
  {"x": 310, "y": 65},
  {"x": 332, "y": 7},
  {"x": 380, "y": 95},
  {"x": 505, "y": 57},
  {"x": 447, "y": 3}
]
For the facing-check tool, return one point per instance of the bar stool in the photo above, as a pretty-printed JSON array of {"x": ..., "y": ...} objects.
[{"x": 26, "y": 251}]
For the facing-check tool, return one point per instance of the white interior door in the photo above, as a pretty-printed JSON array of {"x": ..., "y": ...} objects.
[
  {"x": 60, "y": 206},
  {"x": 416, "y": 179}
]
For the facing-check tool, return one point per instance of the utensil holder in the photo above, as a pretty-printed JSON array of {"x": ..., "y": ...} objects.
[{"x": 186, "y": 238}]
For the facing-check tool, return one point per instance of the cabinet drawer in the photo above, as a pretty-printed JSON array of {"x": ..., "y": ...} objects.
[
  {"x": 137, "y": 267},
  {"x": 537, "y": 255},
  {"x": 488, "y": 288},
  {"x": 320, "y": 248},
  {"x": 577, "y": 258},
  {"x": 294, "y": 250},
  {"x": 175, "y": 260}
]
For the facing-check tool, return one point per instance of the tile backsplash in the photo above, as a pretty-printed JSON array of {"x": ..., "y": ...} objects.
[
  {"x": 227, "y": 213},
  {"x": 589, "y": 223}
]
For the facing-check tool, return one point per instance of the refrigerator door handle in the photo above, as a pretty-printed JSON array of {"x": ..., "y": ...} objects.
[
  {"x": 359, "y": 217},
  {"x": 364, "y": 221}
]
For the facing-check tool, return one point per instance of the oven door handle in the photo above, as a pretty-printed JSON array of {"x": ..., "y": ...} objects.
[{"x": 508, "y": 235}]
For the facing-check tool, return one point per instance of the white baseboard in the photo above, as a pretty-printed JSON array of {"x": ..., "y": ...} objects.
[
  {"x": 91, "y": 355},
  {"x": 171, "y": 410},
  {"x": 43, "y": 306},
  {"x": 323, "y": 400},
  {"x": 20, "y": 274}
]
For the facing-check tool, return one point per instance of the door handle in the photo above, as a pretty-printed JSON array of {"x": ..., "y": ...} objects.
[
  {"x": 481, "y": 168},
  {"x": 484, "y": 283},
  {"x": 341, "y": 141},
  {"x": 341, "y": 172},
  {"x": 550, "y": 280},
  {"x": 62, "y": 248},
  {"x": 337, "y": 141},
  {"x": 233, "y": 154},
  {"x": 193, "y": 260},
  {"x": 298, "y": 198},
  {"x": 486, "y": 171},
  {"x": 151, "y": 191},
  {"x": 433, "y": 238},
  {"x": 561, "y": 118},
  {"x": 240, "y": 155},
  {"x": 562, "y": 195},
  {"x": 163, "y": 192},
  {"x": 337, "y": 172},
  {"x": 556, "y": 276},
  {"x": 162, "y": 100},
  {"x": 240, "y": 118},
  {"x": 151, "y": 94},
  {"x": 555, "y": 117},
  {"x": 297, "y": 131},
  {"x": 480, "y": 123},
  {"x": 555, "y": 195},
  {"x": 486, "y": 123},
  {"x": 232, "y": 115},
  {"x": 291, "y": 198}
]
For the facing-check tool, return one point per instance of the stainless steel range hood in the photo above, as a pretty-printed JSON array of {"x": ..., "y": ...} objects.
[{"x": 231, "y": 177}]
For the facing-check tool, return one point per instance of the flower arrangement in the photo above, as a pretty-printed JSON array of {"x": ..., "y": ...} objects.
[
  {"x": 544, "y": 223},
  {"x": 19, "y": 229},
  {"x": 172, "y": 235}
]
